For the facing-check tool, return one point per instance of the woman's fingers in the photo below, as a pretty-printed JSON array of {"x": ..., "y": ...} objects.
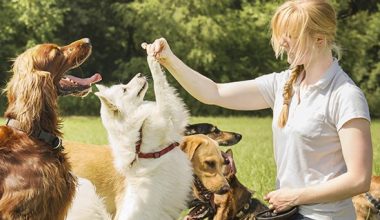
[
  {"x": 149, "y": 48},
  {"x": 159, "y": 49}
]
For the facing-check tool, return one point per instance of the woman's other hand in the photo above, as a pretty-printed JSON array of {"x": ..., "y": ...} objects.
[{"x": 282, "y": 199}]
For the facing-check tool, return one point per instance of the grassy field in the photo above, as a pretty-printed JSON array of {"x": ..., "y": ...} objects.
[{"x": 253, "y": 154}]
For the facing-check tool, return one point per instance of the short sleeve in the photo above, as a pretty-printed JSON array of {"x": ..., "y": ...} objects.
[
  {"x": 269, "y": 84},
  {"x": 351, "y": 104}
]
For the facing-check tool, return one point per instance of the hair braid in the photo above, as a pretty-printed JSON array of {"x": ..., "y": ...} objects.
[{"x": 287, "y": 95}]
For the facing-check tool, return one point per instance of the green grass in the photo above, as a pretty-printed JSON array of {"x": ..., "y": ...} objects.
[{"x": 253, "y": 154}]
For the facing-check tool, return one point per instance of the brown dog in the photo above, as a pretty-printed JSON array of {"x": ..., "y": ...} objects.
[
  {"x": 35, "y": 178},
  {"x": 95, "y": 163},
  {"x": 238, "y": 202},
  {"x": 367, "y": 206},
  {"x": 207, "y": 162}
]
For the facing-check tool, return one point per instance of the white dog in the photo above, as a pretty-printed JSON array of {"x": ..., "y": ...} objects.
[
  {"x": 155, "y": 188},
  {"x": 87, "y": 205}
]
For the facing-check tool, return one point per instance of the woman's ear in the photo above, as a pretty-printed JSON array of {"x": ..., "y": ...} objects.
[{"x": 320, "y": 40}]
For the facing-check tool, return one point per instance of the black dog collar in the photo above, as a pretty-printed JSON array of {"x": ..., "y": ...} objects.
[
  {"x": 375, "y": 202},
  {"x": 52, "y": 140}
]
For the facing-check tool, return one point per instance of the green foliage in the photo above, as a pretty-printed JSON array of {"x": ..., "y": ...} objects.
[
  {"x": 89, "y": 105},
  {"x": 226, "y": 40}
]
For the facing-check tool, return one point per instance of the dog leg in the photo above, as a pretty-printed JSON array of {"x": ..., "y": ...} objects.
[{"x": 167, "y": 100}]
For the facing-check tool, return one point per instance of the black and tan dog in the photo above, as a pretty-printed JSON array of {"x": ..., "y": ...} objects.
[
  {"x": 224, "y": 138},
  {"x": 237, "y": 203}
]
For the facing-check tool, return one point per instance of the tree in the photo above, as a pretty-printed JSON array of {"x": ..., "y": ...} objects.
[{"x": 227, "y": 40}]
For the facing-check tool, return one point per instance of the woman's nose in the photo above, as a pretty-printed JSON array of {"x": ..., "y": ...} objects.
[{"x": 285, "y": 44}]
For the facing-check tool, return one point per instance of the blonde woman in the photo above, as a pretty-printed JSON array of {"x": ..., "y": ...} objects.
[{"x": 321, "y": 122}]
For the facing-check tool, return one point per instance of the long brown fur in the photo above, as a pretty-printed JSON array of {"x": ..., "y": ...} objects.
[{"x": 35, "y": 180}]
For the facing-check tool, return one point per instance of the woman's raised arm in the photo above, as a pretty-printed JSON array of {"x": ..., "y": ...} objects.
[{"x": 242, "y": 95}]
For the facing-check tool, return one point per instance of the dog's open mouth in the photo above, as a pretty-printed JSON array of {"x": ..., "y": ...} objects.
[
  {"x": 142, "y": 88},
  {"x": 71, "y": 85}
]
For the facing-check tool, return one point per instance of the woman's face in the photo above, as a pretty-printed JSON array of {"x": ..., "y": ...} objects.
[{"x": 289, "y": 45}]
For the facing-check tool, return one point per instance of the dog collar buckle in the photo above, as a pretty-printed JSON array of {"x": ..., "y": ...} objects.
[
  {"x": 58, "y": 143},
  {"x": 54, "y": 141}
]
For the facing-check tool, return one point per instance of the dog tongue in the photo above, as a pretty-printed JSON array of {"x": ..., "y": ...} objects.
[{"x": 86, "y": 81}]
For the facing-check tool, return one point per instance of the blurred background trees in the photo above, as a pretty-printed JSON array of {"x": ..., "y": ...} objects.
[{"x": 226, "y": 40}]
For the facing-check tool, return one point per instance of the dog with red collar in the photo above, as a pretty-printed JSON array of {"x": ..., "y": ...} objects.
[{"x": 143, "y": 136}]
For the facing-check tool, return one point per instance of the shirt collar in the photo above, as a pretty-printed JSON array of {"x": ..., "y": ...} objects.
[{"x": 328, "y": 76}]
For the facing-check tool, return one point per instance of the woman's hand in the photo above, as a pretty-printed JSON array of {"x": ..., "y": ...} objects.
[
  {"x": 159, "y": 49},
  {"x": 283, "y": 199}
]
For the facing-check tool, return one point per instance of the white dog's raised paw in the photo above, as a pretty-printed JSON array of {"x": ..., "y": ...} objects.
[
  {"x": 154, "y": 65},
  {"x": 151, "y": 59}
]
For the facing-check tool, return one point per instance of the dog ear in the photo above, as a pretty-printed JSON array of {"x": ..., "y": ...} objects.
[
  {"x": 27, "y": 94},
  {"x": 229, "y": 152},
  {"x": 189, "y": 130},
  {"x": 190, "y": 145},
  {"x": 107, "y": 102}
]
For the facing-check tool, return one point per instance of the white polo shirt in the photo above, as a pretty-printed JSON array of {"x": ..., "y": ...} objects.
[{"x": 308, "y": 150}]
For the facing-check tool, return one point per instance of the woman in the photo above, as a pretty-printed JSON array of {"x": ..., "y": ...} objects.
[{"x": 321, "y": 122}]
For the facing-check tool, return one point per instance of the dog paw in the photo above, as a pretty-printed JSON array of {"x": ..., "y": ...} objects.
[
  {"x": 154, "y": 65},
  {"x": 151, "y": 60}
]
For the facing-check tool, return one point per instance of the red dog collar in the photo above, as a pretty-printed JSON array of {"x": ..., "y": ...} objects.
[
  {"x": 153, "y": 155},
  {"x": 156, "y": 154}
]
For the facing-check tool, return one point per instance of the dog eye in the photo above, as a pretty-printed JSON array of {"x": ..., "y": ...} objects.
[
  {"x": 124, "y": 90},
  {"x": 226, "y": 161},
  {"x": 70, "y": 50},
  {"x": 210, "y": 164}
]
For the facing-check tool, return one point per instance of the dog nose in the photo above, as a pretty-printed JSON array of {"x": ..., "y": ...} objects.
[
  {"x": 238, "y": 136},
  {"x": 140, "y": 75},
  {"x": 223, "y": 190}
]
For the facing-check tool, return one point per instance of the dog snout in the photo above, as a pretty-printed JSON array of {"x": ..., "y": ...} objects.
[
  {"x": 86, "y": 40},
  {"x": 223, "y": 190},
  {"x": 82, "y": 43},
  {"x": 141, "y": 77}
]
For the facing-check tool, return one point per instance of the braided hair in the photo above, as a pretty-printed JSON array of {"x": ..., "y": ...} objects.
[{"x": 287, "y": 94}]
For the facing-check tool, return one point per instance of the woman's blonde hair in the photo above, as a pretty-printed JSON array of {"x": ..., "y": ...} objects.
[{"x": 302, "y": 21}]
